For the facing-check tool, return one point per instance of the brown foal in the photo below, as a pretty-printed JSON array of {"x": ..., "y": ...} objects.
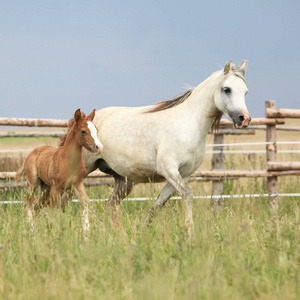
[{"x": 57, "y": 170}]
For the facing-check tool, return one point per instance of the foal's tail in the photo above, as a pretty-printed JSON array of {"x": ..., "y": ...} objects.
[{"x": 21, "y": 173}]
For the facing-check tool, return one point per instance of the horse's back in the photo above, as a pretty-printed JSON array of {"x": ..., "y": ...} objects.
[{"x": 118, "y": 113}]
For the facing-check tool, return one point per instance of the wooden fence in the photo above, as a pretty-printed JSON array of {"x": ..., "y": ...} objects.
[{"x": 273, "y": 117}]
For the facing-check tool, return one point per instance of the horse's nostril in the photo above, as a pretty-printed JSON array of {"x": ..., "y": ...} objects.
[{"x": 241, "y": 118}]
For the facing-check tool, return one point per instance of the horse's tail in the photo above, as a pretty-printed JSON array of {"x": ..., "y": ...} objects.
[{"x": 21, "y": 173}]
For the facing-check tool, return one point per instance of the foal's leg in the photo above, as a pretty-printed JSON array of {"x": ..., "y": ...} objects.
[
  {"x": 64, "y": 199},
  {"x": 29, "y": 199},
  {"x": 43, "y": 197},
  {"x": 84, "y": 201},
  {"x": 167, "y": 192},
  {"x": 55, "y": 196},
  {"x": 33, "y": 181}
]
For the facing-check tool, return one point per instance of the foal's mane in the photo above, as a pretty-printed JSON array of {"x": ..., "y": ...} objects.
[{"x": 71, "y": 123}]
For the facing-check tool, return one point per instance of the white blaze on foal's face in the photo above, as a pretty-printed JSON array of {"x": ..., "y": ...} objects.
[{"x": 93, "y": 130}]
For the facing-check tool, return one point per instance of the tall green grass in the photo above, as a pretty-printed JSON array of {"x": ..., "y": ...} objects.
[{"x": 241, "y": 252}]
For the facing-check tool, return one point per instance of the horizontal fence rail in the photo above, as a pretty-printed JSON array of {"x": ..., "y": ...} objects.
[
  {"x": 214, "y": 145},
  {"x": 33, "y": 122},
  {"x": 226, "y": 131},
  {"x": 64, "y": 123},
  {"x": 282, "y": 113},
  {"x": 198, "y": 175},
  {"x": 32, "y": 134},
  {"x": 283, "y": 166}
]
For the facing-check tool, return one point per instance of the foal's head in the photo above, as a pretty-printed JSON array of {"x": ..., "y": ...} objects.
[{"x": 86, "y": 131}]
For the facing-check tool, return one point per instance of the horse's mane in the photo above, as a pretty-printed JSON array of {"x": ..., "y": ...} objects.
[
  {"x": 71, "y": 123},
  {"x": 217, "y": 121},
  {"x": 165, "y": 104}
]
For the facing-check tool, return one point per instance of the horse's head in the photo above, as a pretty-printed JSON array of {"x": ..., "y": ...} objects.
[
  {"x": 230, "y": 97},
  {"x": 86, "y": 132}
]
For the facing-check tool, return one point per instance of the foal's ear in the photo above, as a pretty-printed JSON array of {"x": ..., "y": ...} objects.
[
  {"x": 91, "y": 115},
  {"x": 77, "y": 115}
]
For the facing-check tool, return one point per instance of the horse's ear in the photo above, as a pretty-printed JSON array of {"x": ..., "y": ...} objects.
[
  {"x": 243, "y": 67},
  {"x": 227, "y": 67},
  {"x": 92, "y": 115},
  {"x": 77, "y": 115}
]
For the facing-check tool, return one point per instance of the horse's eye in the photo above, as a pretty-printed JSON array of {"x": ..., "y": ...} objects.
[
  {"x": 227, "y": 90},
  {"x": 83, "y": 132}
]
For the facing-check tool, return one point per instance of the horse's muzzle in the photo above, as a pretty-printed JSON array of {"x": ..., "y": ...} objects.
[{"x": 241, "y": 119}]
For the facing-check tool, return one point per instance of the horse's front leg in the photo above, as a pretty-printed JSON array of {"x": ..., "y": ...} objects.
[
  {"x": 167, "y": 192},
  {"x": 122, "y": 188},
  {"x": 174, "y": 178},
  {"x": 84, "y": 201}
]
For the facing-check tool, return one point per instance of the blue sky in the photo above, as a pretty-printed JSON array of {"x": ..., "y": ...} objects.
[{"x": 57, "y": 56}]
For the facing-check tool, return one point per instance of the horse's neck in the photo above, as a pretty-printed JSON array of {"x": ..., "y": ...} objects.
[{"x": 200, "y": 106}]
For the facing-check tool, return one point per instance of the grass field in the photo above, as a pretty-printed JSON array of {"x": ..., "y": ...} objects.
[{"x": 243, "y": 251}]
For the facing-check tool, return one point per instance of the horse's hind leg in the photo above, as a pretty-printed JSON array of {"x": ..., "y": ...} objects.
[{"x": 122, "y": 188}]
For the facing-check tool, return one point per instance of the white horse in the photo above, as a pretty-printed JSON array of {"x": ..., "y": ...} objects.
[{"x": 166, "y": 141}]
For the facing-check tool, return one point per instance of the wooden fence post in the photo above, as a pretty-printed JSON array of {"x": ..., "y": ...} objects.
[
  {"x": 271, "y": 152},
  {"x": 217, "y": 164}
]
